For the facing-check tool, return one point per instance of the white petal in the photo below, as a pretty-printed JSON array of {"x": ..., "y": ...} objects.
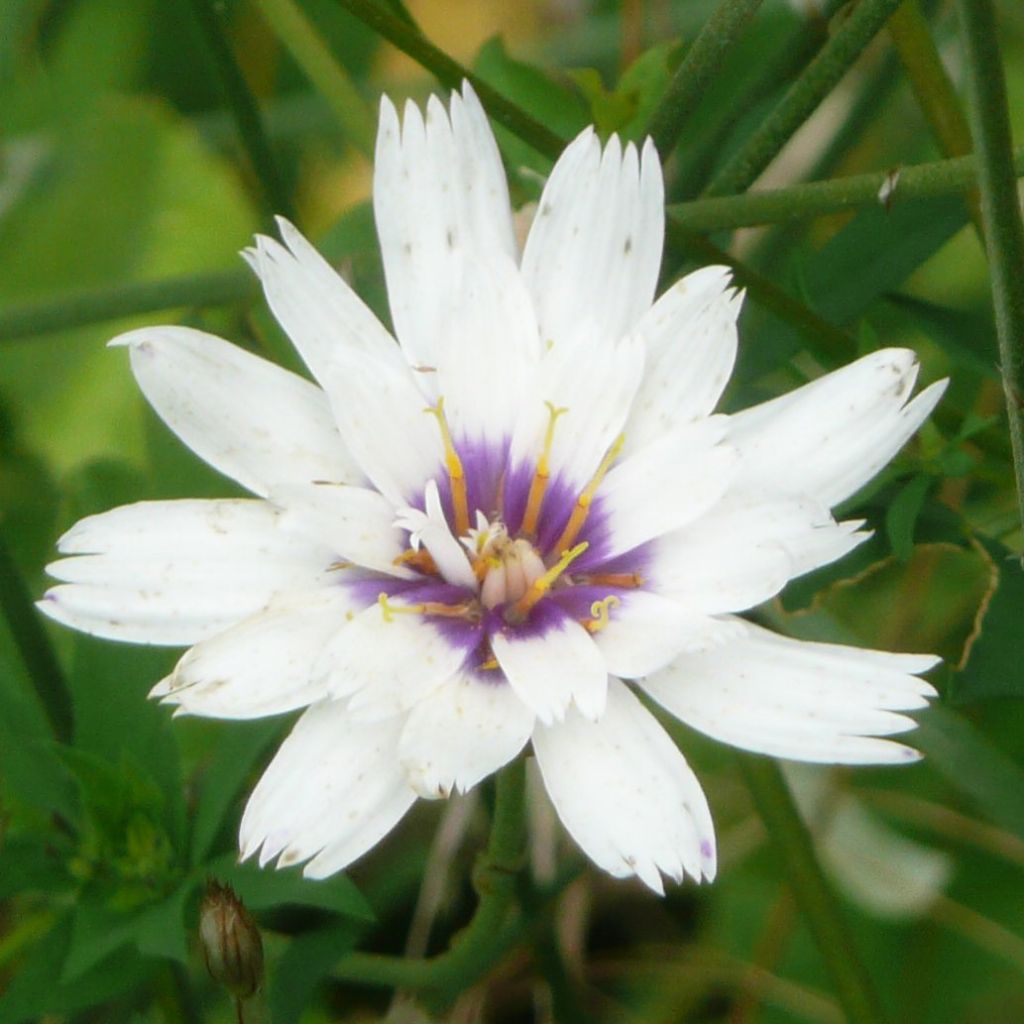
[
  {"x": 334, "y": 788},
  {"x": 387, "y": 664},
  {"x": 488, "y": 353},
  {"x": 829, "y": 437},
  {"x": 646, "y": 631},
  {"x": 385, "y": 423},
  {"x": 592, "y": 257},
  {"x": 667, "y": 484},
  {"x": 626, "y": 794},
  {"x": 430, "y": 529},
  {"x": 439, "y": 192},
  {"x": 247, "y": 418},
  {"x": 553, "y": 668},
  {"x": 746, "y": 549},
  {"x": 357, "y": 524},
  {"x": 690, "y": 338},
  {"x": 805, "y": 701},
  {"x": 461, "y": 733},
  {"x": 317, "y": 308},
  {"x": 595, "y": 389},
  {"x": 264, "y": 665},
  {"x": 176, "y": 572}
]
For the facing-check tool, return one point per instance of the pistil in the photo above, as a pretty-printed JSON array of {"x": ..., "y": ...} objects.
[
  {"x": 582, "y": 507},
  {"x": 539, "y": 484},
  {"x": 518, "y": 612},
  {"x": 456, "y": 474}
]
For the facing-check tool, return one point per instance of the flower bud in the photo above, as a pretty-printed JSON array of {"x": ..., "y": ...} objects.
[{"x": 231, "y": 941}]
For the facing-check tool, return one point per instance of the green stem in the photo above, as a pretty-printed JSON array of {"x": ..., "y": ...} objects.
[
  {"x": 803, "y": 97},
  {"x": 33, "y": 645},
  {"x": 818, "y": 903},
  {"x": 933, "y": 89},
  {"x": 451, "y": 73},
  {"x": 703, "y": 59},
  {"x": 921, "y": 181},
  {"x": 331, "y": 79},
  {"x": 489, "y": 933},
  {"x": 781, "y": 65},
  {"x": 1000, "y": 207},
  {"x": 243, "y": 107},
  {"x": 76, "y": 308}
]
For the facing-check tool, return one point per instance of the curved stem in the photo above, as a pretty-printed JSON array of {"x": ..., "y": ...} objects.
[
  {"x": 482, "y": 942},
  {"x": 814, "y": 895},
  {"x": 1000, "y": 208}
]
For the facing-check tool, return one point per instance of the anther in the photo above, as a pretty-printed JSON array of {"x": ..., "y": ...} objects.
[
  {"x": 540, "y": 586},
  {"x": 582, "y": 507},
  {"x": 626, "y": 580},
  {"x": 464, "y": 610},
  {"x": 539, "y": 484},
  {"x": 453, "y": 464}
]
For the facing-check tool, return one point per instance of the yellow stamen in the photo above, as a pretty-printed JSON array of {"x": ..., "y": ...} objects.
[
  {"x": 626, "y": 580},
  {"x": 539, "y": 484},
  {"x": 465, "y": 610},
  {"x": 488, "y": 665},
  {"x": 540, "y": 586},
  {"x": 601, "y": 612},
  {"x": 340, "y": 564},
  {"x": 453, "y": 464},
  {"x": 421, "y": 560},
  {"x": 583, "y": 502}
]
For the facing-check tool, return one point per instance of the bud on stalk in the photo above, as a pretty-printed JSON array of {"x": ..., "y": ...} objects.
[{"x": 231, "y": 941}]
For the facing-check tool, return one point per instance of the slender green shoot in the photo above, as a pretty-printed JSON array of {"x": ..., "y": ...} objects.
[{"x": 1000, "y": 208}]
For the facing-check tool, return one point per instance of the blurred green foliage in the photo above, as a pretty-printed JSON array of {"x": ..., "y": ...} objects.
[{"x": 119, "y": 162}]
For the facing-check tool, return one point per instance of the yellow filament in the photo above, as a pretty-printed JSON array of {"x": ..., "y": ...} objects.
[
  {"x": 453, "y": 464},
  {"x": 466, "y": 610},
  {"x": 489, "y": 665},
  {"x": 542, "y": 584},
  {"x": 582, "y": 507},
  {"x": 539, "y": 484},
  {"x": 601, "y": 612}
]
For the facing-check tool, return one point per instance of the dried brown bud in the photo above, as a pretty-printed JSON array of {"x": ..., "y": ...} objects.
[{"x": 231, "y": 941}]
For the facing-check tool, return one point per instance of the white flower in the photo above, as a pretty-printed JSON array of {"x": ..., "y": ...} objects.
[{"x": 498, "y": 531}]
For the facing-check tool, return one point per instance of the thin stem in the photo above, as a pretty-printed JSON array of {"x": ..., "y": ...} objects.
[
  {"x": 243, "y": 108},
  {"x": 799, "y": 202},
  {"x": 33, "y": 645},
  {"x": 451, "y": 73},
  {"x": 802, "y": 98},
  {"x": 814, "y": 895},
  {"x": 933, "y": 88},
  {"x": 1000, "y": 207},
  {"x": 331, "y": 79},
  {"x": 703, "y": 59},
  {"x": 781, "y": 65},
  {"x": 489, "y": 933},
  {"x": 75, "y": 308}
]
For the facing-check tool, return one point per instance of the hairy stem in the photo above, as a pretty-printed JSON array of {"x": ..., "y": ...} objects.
[
  {"x": 1000, "y": 208},
  {"x": 703, "y": 59},
  {"x": 802, "y": 98}
]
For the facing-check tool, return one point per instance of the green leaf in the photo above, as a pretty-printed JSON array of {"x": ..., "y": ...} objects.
[
  {"x": 306, "y": 963},
  {"x": 993, "y": 666},
  {"x": 238, "y": 747},
  {"x": 38, "y": 989},
  {"x": 901, "y": 516},
  {"x": 30, "y": 864},
  {"x": 961, "y": 753},
  {"x": 263, "y": 888}
]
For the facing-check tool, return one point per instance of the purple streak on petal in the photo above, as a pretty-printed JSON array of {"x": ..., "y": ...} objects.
[
  {"x": 482, "y": 464},
  {"x": 707, "y": 851},
  {"x": 515, "y": 491},
  {"x": 544, "y": 618}
]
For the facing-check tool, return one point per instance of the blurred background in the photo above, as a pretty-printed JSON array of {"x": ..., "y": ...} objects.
[{"x": 126, "y": 192}]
